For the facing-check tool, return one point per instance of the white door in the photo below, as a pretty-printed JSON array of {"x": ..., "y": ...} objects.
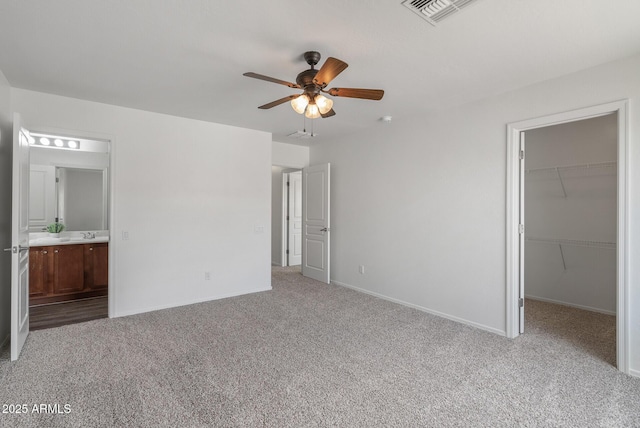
[
  {"x": 521, "y": 233},
  {"x": 294, "y": 217},
  {"x": 19, "y": 239},
  {"x": 315, "y": 224}
]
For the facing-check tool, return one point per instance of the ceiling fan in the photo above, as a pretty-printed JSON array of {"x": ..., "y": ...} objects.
[{"x": 314, "y": 82}]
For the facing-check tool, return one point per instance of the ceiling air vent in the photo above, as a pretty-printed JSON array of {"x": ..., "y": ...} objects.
[{"x": 434, "y": 11}]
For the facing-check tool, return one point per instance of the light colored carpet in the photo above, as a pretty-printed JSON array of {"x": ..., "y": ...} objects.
[{"x": 310, "y": 354}]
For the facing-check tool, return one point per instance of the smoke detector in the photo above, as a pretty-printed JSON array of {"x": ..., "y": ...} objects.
[{"x": 434, "y": 11}]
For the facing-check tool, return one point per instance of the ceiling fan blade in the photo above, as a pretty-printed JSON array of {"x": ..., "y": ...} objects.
[
  {"x": 278, "y": 102},
  {"x": 367, "y": 94},
  {"x": 329, "y": 70},
  {"x": 271, "y": 79},
  {"x": 328, "y": 114}
]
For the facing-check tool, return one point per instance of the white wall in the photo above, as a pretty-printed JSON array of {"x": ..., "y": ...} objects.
[
  {"x": 289, "y": 155},
  {"x": 178, "y": 192},
  {"x": 276, "y": 215},
  {"x": 586, "y": 210},
  {"x": 422, "y": 203},
  {"x": 6, "y": 142}
]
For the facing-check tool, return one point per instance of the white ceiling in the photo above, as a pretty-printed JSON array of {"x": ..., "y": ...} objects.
[{"x": 186, "y": 57}]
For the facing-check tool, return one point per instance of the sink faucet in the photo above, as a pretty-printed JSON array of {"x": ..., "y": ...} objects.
[{"x": 89, "y": 235}]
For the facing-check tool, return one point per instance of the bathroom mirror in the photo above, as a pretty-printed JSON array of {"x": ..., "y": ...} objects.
[
  {"x": 81, "y": 198},
  {"x": 69, "y": 186}
]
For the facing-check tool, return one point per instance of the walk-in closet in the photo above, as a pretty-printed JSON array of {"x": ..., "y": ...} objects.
[{"x": 571, "y": 219}]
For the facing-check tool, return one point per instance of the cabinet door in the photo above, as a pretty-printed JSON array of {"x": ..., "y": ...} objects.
[
  {"x": 68, "y": 269},
  {"x": 39, "y": 275},
  {"x": 96, "y": 266}
]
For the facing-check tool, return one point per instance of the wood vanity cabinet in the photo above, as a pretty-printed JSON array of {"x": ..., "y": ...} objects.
[
  {"x": 67, "y": 272},
  {"x": 38, "y": 274},
  {"x": 96, "y": 266},
  {"x": 68, "y": 269}
]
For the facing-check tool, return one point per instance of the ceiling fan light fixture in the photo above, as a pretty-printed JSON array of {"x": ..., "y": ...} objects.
[
  {"x": 300, "y": 104},
  {"x": 311, "y": 103},
  {"x": 324, "y": 104},
  {"x": 312, "y": 112}
]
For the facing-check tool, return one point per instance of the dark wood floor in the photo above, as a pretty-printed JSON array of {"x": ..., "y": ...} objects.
[{"x": 58, "y": 314}]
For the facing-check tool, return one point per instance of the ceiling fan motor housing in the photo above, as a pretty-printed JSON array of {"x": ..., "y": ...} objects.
[{"x": 305, "y": 80}]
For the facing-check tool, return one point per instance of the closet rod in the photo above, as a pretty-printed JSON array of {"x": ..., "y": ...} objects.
[{"x": 574, "y": 242}]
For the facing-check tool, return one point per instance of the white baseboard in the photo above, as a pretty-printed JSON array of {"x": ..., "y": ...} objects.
[
  {"x": 634, "y": 373},
  {"x": 572, "y": 305},
  {"x": 191, "y": 302},
  {"x": 423, "y": 309}
]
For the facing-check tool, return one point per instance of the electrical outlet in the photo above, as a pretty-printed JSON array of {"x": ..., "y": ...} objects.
[
  {"x": 361, "y": 269},
  {"x": 125, "y": 235},
  {"x": 207, "y": 276}
]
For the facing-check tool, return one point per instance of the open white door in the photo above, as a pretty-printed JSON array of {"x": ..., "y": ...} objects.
[
  {"x": 294, "y": 217},
  {"x": 521, "y": 233},
  {"x": 19, "y": 239},
  {"x": 315, "y": 222}
]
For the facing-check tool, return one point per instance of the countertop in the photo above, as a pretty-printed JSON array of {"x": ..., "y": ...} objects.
[{"x": 42, "y": 239}]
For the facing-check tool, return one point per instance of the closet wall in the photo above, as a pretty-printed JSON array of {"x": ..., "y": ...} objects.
[{"x": 570, "y": 213}]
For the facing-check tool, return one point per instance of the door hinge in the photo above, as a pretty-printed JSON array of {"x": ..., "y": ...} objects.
[
  {"x": 520, "y": 302},
  {"x": 521, "y": 154},
  {"x": 521, "y": 228},
  {"x": 287, "y": 217},
  {"x": 57, "y": 180},
  {"x": 287, "y": 184},
  {"x": 287, "y": 251}
]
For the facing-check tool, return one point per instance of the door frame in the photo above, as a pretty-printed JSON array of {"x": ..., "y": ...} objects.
[
  {"x": 513, "y": 267},
  {"x": 284, "y": 259},
  {"x": 111, "y": 223}
]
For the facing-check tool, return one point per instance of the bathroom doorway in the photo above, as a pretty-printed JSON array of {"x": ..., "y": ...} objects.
[{"x": 69, "y": 217}]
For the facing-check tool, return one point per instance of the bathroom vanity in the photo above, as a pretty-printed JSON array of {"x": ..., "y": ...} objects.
[{"x": 62, "y": 269}]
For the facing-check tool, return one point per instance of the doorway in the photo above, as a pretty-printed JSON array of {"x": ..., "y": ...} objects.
[
  {"x": 68, "y": 189},
  {"x": 570, "y": 218},
  {"x": 286, "y": 207},
  {"x": 523, "y": 237},
  {"x": 301, "y": 219}
]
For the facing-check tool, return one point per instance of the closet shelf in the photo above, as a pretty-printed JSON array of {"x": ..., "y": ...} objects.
[
  {"x": 586, "y": 166},
  {"x": 574, "y": 242}
]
